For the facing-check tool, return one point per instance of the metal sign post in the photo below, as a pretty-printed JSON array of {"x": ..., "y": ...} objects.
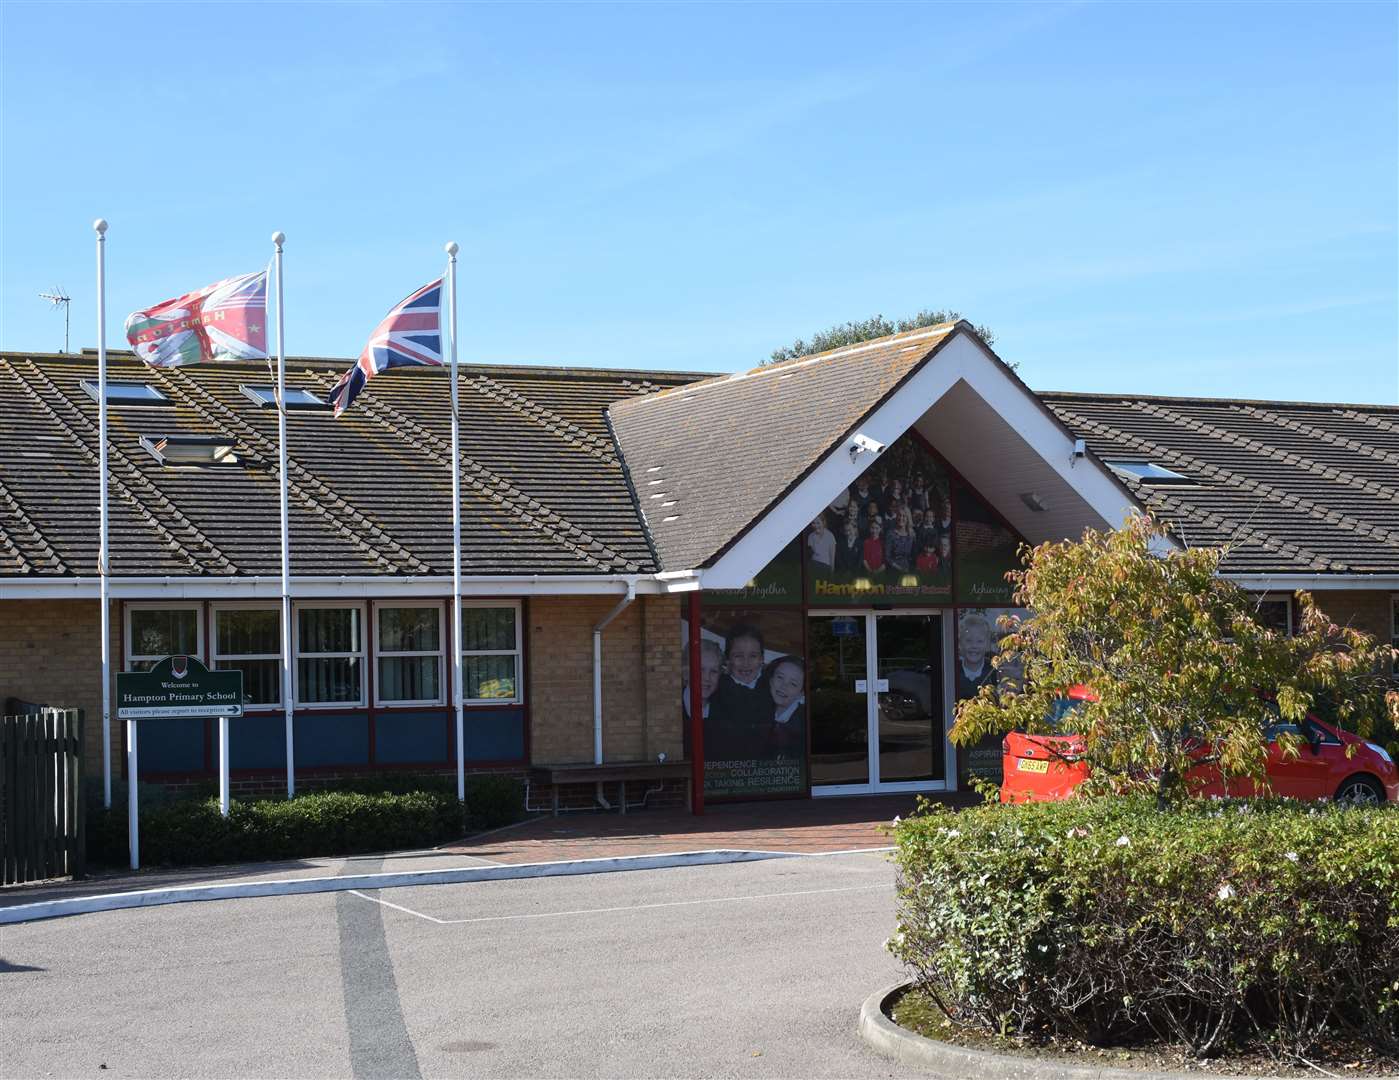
[{"x": 178, "y": 687}]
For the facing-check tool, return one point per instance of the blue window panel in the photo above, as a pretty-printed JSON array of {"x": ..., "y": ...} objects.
[
  {"x": 332, "y": 739},
  {"x": 170, "y": 745},
  {"x": 495, "y": 735},
  {"x": 257, "y": 742},
  {"x": 410, "y": 738}
]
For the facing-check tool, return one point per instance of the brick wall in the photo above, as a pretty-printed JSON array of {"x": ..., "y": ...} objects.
[
  {"x": 49, "y": 654},
  {"x": 641, "y": 660},
  {"x": 1368, "y": 611}
]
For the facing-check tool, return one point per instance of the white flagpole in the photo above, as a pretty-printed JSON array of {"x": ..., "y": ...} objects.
[
  {"x": 104, "y": 588},
  {"x": 278, "y": 239},
  {"x": 457, "y": 688}
]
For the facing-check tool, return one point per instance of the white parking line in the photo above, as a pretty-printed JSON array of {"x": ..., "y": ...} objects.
[{"x": 623, "y": 907}]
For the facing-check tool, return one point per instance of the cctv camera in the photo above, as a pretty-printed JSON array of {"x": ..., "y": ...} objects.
[
  {"x": 1080, "y": 448},
  {"x": 863, "y": 444}
]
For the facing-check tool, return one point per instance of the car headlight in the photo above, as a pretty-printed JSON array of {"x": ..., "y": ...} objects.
[{"x": 1377, "y": 748}]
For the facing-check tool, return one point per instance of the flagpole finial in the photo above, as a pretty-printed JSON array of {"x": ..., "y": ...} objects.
[
  {"x": 279, "y": 238},
  {"x": 452, "y": 248},
  {"x": 100, "y": 226}
]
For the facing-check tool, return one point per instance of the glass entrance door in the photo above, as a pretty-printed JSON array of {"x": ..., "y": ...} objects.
[{"x": 878, "y": 702}]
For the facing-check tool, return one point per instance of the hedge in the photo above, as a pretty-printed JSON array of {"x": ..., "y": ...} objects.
[
  {"x": 362, "y": 815},
  {"x": 1223, "y": 924}
]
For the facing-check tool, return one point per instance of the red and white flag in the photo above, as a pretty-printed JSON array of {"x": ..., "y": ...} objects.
[{"x": 223, "y": 321}]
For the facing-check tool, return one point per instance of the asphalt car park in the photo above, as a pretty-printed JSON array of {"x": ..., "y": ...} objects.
[{"x": 752, "y": 969}]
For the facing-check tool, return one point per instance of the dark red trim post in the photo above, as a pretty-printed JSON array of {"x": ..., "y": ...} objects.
[{"x": 696, "y": 709}]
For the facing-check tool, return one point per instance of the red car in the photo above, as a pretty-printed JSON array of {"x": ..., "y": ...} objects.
[{"x": 1334, "y": 764}]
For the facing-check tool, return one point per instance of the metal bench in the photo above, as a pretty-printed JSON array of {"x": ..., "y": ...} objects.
[{"x": 609, "y": 772}]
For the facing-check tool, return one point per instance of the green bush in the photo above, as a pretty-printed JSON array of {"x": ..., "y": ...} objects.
[
  {"x": 362, "y": 814},
  {"x": 1216, "y": 925},
  {"x": 319, "y": 823},
  {"x": 493, "y": 800}
]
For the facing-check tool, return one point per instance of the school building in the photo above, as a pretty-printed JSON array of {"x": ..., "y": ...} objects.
[{"x": 821, "y": 542}]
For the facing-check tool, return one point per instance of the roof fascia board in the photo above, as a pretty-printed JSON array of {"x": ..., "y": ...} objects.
[
  {"x": 348, "y": 587},
  {"x": 1317, "y": 582},
  {"x": 960, "y": 358}
]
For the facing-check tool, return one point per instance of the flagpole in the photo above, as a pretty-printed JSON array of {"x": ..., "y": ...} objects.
[
  {"x": 278, "y": 239},
  {"x": 457, "y": 688},
  {"x": 104, "y": 587}
]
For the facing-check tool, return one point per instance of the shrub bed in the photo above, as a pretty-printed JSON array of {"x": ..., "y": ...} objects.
[
  {"x": 1216, "y": 926},
  {"x": 362, "y": 815}
]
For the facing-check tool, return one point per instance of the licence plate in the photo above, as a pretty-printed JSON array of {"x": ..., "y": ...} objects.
[{"x": 1029, "y": 765}]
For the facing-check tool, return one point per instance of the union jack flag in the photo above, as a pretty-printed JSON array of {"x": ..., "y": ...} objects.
[
  {"x": 409, "y": 336},
  {"x": 223, "y": 321}
]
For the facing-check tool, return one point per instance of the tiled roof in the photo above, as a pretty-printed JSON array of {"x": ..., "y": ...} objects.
[
  {"x": 543, "y": 490},
  {"x": 1286, "y": 487},
  {"x": 709, "y": 458}
]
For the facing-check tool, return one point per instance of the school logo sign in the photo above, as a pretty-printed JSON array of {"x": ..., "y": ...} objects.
[{"x": 179, "y": 686}]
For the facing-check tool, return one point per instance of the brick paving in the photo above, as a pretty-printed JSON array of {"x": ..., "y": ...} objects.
[{"x": 807, "y": 826}]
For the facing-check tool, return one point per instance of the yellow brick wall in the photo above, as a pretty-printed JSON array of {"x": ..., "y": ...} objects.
[
  {"x": 49, "y": 654},
  {"x": 1368, "y": 611},
  {"x": 640, "y": 679}
]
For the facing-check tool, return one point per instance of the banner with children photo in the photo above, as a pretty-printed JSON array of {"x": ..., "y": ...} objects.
[
  {"x": 753, "y": 681},
  {"x": 886, "y": 539},
  {"x": 979, "y": 635}
]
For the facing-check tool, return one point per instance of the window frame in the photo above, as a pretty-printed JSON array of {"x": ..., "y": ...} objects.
[
  {"x": 1394, "y": 630},
  {"x": 131, "y": 606},
  {"x": 215, "y": 656},
  {"x": 518, "y": 652},
  {"x": 162, "y": 400},
  {"x": 443, "y": 647},
  {"x": 1277, "y": 598},
  {"x": 297, "y": 655}
]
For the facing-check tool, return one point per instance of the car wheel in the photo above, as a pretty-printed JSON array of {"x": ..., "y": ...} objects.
[{"x": 1360, "y": 791}]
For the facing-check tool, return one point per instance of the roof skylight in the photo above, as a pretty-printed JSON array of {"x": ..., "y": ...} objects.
[
  {"x": 127, "y": 393},
  {"x": 1148, "y": 472},
  {"x": 203, "y": 450},
  {"x": 266, "y": 397}
]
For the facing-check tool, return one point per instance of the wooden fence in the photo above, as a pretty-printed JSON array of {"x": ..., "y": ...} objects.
[{"x": 41, "y": 796}]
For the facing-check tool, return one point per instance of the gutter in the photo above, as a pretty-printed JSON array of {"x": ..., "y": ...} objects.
[
  {"x": 349, "y": 586},
  {"x": 1292, "y": 582},
  {"x": 622, "y": 605}
]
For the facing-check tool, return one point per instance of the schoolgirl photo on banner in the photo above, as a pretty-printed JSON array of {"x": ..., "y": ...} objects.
[
  {"x": 979, "y": 634},
  {"x": 888, "y": 537},
  {"x": 753, "y": 682}
]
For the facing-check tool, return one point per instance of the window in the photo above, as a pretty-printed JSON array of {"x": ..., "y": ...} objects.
[
  {"x": 127, "y": 393},
  {"x": 409, "y": 654},
  {"x": 249, "y": 639},
  {"x": 154, "y": 632},
  {"x": 191, "y": 449},
  {"x": 330, "y": 655},
  {"x": 490, "y": 646},
  {"x": 1394, "y": 629},
  {"x": 1275, "y": 612},
  {"x": 1148, "y": 472},
  {"x": 266, "y": 398}
]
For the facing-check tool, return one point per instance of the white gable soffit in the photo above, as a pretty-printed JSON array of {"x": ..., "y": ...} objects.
[
  {"x": 344, "y": 587},
  {"x": 960, "y": 359}
]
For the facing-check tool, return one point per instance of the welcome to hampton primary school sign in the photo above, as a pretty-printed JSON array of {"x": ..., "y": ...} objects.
[{"x": 178, "y": 687}]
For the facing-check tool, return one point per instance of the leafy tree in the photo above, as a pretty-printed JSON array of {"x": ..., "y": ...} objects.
[
  {"x": 852, "y": 333},
  {"x": 1177, "y": 658}
]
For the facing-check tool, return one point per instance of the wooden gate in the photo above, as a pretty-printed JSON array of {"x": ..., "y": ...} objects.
[{"x": 41, "y": 796}]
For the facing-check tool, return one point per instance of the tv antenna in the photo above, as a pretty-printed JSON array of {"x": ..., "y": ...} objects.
[{"x": 55, "y": 298}]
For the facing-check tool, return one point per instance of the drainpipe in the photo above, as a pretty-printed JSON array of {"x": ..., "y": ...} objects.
[{"x": 622, "y": 605}]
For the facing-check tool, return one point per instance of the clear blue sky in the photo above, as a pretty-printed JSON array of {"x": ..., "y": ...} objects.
[{"x": 1185, "y": 198}]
